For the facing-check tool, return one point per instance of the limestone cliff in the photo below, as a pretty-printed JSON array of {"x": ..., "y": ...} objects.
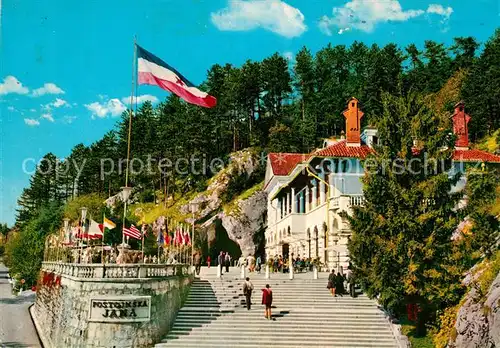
[
  {"x": 242, "y": 223},
  {"x": 235, "y": 197},
  {"x": 478, "y": 318}
]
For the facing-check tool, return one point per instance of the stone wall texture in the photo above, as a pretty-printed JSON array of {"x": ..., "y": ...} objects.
[
  {"x": 478, "y": 320},
  {"x": 62, "y": 308}
]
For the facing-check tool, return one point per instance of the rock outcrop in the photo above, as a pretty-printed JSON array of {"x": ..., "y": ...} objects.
[
  {"x": 243, "y": 222},
  {"x": 244, "y": 214},
  {"x": 478, "y": 319}
]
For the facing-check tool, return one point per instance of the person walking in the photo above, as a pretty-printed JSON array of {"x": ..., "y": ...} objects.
[
  {"x": 267, "y": 300},
  {"x": 352, "y": 284},
  {"x": 220, "y": 261},
  {"x": 247, "y": 291},
  {"x": 227, "y": 262},
  {"x": 339, "y": 284},
  {"x": 331, "y": 283},
  {"x": 208, "y": 261},
  {"x": 259, "y": 263},
  {"x": 197, "y": 263}
]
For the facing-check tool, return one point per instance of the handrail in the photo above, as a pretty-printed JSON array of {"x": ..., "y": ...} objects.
[{"x": 115, "y": 271}]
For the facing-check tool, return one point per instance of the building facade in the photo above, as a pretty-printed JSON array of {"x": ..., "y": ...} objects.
[{"x": 309, "y": 194}]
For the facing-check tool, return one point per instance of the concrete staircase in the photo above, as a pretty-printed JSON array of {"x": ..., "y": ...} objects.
[{"x": 304, "y": 315}]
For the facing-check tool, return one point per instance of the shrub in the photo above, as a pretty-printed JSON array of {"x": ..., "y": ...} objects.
[
  {"x": 24, "y": 249},
  {"x": 446, "y": 324}
]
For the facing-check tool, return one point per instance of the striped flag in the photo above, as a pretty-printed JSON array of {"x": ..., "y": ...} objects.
[
  {"x": 151, "y": 70},
  {"x": 132, "y": 232}
]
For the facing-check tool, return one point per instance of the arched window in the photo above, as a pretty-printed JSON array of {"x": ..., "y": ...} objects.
[{"x": 289, "y": 231}]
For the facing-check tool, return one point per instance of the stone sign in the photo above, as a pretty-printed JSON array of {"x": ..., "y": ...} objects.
[{"x": 120, "y": 309}]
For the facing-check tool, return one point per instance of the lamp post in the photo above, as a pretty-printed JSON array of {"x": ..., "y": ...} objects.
[
  {"x": 83, "y": 211},
  {"x": 335, "y": 240},
  {"x": 327, "y": 256},
  {"x": 194, "y": 207},
  {"x": 66, "y": 230}
]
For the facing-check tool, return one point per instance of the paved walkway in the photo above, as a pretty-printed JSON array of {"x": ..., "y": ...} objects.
[{"x": 16, "y": 327}]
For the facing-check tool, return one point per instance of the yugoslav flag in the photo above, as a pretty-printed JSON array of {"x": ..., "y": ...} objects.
[{"x": 151, "y": 70}]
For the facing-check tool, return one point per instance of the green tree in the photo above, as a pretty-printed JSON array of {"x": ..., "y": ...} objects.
[
  {"x": 481, "y": 90},
  {"x": 401, "y": 246},
  {"x": 481, "y": 190},
  {"x": 24, "y": 250}
]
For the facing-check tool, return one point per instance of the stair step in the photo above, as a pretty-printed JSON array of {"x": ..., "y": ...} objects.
[{"x": 214, "y": 315}]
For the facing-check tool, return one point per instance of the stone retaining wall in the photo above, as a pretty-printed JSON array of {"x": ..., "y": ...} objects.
[{"x": 62, "y": 309}]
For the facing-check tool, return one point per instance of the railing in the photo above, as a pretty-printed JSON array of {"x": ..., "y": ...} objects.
[
  {"x": 346, "y": 201},
  {"x": 114, "y": 271}
]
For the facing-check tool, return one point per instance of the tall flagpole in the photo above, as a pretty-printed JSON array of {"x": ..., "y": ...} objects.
[
  {"x": 129, "y": 136},
  {"x": 102, "y": 242}
]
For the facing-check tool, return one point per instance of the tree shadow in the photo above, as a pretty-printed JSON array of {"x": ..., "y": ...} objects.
[
  {"x": 18, "y": 300},
  {"x": 13, "y": 344}
]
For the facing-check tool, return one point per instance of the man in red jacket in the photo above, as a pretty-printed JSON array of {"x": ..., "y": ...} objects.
[{"x": 267, "y": 300}]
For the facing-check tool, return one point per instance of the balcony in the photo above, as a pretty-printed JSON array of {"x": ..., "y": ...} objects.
[
  {"x": 297, "y": 223},
  {"x": 344, "y": 202}
]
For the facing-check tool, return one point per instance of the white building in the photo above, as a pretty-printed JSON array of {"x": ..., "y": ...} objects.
[{"x": 307, "y": 192}]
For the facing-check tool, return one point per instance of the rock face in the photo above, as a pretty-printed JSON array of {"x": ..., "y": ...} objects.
[
  {"x": 478, "y": 320},
  {"x": 242, "y": 223}
]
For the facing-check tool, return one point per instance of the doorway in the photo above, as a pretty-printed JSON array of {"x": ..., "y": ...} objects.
[{"x": 285, "y": 250}]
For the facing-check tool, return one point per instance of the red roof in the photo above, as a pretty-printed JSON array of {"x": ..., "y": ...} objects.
[
  {"x": 340, "y": 149},
  {"x": 473, "y": 155},
  {"x": 283, "y": 163}
]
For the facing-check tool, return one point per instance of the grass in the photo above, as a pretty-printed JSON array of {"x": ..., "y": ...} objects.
[
  {"x": 232, "y": 207},
  {"x": 408, "y": 328}
]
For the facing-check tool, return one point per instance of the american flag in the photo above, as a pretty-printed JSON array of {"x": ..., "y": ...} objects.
[{"x": 132, "y": 232}]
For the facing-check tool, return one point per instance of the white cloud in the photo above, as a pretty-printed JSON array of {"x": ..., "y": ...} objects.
[
  {"x": 48, "y": 117},
  {"x": 141, "y": 99},
  {"x": 273, "y": 15},
  {"x": 60, "y": 102},
  {"x": 441, "y": 11},
  {"x": 365, "y": 15},
  {"x": 32, "y": 110},
  {"x": 31, "y": 122},
  {"x": 11, "y": 108},
  {"x": 12, "y": 85},
  {"x": 113, "y": 107},
  {"x": 69, "y": 119},
  {"x": 48, "y": 88},
  {"x": 343, "y": 30}
]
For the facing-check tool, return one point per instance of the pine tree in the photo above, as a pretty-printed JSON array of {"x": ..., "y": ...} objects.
[{"x": 401, "y": 247}]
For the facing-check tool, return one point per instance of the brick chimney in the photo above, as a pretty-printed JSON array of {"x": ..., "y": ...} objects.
[
  {"x": 353, "y": 117},
  {"x": 460, "y": 128}
]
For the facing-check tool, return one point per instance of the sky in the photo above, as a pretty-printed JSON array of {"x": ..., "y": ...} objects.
[{"x": 66, "y": 65}]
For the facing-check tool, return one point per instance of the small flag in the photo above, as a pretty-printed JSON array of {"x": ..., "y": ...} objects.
[
  {"x": 109, "y": 224},
  {"x": 160, "y": 239},
  {"x": 187, "y": 239},
  {"x": 94, "y": 231},
  {"x": 132, "y": 232},
  {"x": 151, "y": 70}
]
